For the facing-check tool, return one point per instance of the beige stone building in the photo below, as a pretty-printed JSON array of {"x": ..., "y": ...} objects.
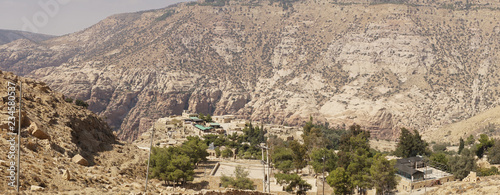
[{"x": 414, "y": 175}]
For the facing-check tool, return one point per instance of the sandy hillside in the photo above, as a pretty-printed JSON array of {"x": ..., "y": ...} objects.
[{"x": 486, "y": 185}]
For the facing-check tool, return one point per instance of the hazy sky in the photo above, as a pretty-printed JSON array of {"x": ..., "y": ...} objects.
[{"x": 58, "y": 17}]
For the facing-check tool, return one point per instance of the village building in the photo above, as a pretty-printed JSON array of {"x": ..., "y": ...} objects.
[
  {"x": 223, "y": 119},
  {"x": 197, "y": 120},
  {"x": 415, "y": 174},
  {"x": 186, "y": 114}
]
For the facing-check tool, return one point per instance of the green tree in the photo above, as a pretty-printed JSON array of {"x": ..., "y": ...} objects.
[
  {"x": 312, "y": 136},
  {"x": 339, "y": 180},
  {"x": 488, "y": 172},
  {"x": 171, "y": 165},
  {"x": 181, "y": 169},
  {"x": 293, "y": 182},
  {"x": 439, "y": 147},
  {"x": 208, "y": 118},
  {"x": 254, "y": 135},
  {"x": 201, "y": 116},
  {"x": 484, "y": 144},
  {"x": 323, "y": 156},
  {"x": 356, "y": 140},
  {"x": 81, "y": 103},
  {"x": 217, "y": 152},
  {"x": 461, "y": 145},
  {"x": 439, "y": 159},
  {"x": 227, "y": 153},
  {"x": 470, "y": 140},
  {"x": 282, "y": 158},
  {"x": 299, "y": 155},
  {"x": 411, "y": 144},
  {"x": 347, "y": 144},
  {"x": 355, "y": 157},
  {"x": 461, "y": 165},
  {"x": 320, "y": 135},
  {"x": 195, "y": 148},
  {"x": 494, "y": 153},
  {"x": 241, "y": 180},
  {"x": 383, "y": 174},
  {"x": 359, "y": 169}
]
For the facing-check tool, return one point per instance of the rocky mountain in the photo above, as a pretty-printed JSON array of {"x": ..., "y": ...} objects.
[
  {"x": 7, "y": 36},
  {"x": 382, "y": 64},
  {"x": 64, "y": 148}
]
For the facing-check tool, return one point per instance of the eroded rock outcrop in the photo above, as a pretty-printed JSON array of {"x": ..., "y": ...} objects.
[{"x": 57, "y": 136}]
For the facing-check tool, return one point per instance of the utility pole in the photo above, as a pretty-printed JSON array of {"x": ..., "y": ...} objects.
[
  {"x": 19, "y": 135},
  {"x": 324, "y": 174},
  {"x": 425, "y": 183},
  {"x": 149, "y": 158},
  {"x": 264, "y": 164},
  {"x": 264, "y": 171},
  {"x": 268, "y": 171}
]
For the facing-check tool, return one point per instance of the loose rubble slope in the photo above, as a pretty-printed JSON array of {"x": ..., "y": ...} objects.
[{"x": 65, "y": 132}]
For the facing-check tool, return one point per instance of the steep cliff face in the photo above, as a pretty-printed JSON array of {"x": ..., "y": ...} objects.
[{"x": 382, "y": 65}]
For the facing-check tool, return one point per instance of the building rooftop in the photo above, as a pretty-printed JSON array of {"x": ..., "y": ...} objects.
[
  {"x": 433, "y": 173},
  {"x": 196, "y": 119},
  {"x": 406, "y": 169},
  {"x": 203, "y": 128}
]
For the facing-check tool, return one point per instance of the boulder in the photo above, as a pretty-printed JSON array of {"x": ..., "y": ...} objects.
[
  {"x": 40, "y": 134},
  {"x": 37, "y": 132},
  {"x": 137, "y": 185},
  {"x": 80, "y": 160},
  {"x": 32, "y": 146},
  {"x": 66, "y": 175},
  {"x": 36, "y": 188}
]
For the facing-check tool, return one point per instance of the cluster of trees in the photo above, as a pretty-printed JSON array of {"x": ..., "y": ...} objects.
[
  {"x": 244, "y": 145},
  {"x": 321, "y": 135},
  {"x": 458, "y": 163},
  {"x": 176, "y": 164},
  {"x": 289, "y": 157},
  {"x": 360, "y": 167},
  {"x": 411, "y": 144},
  {"x": 355, "y": 166}
]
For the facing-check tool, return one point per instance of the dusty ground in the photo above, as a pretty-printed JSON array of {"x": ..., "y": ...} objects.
[
  {"x": 383, "y": 145},
  {"x": 487, "y": 185},
  {"x": 255, "y": 170}
]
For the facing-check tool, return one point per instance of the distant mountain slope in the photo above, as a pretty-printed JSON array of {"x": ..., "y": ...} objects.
[
  {"x": 415, "y": 64},
  {"x": 487, "y": 122},
  {"x": 7, "y": 36}
]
